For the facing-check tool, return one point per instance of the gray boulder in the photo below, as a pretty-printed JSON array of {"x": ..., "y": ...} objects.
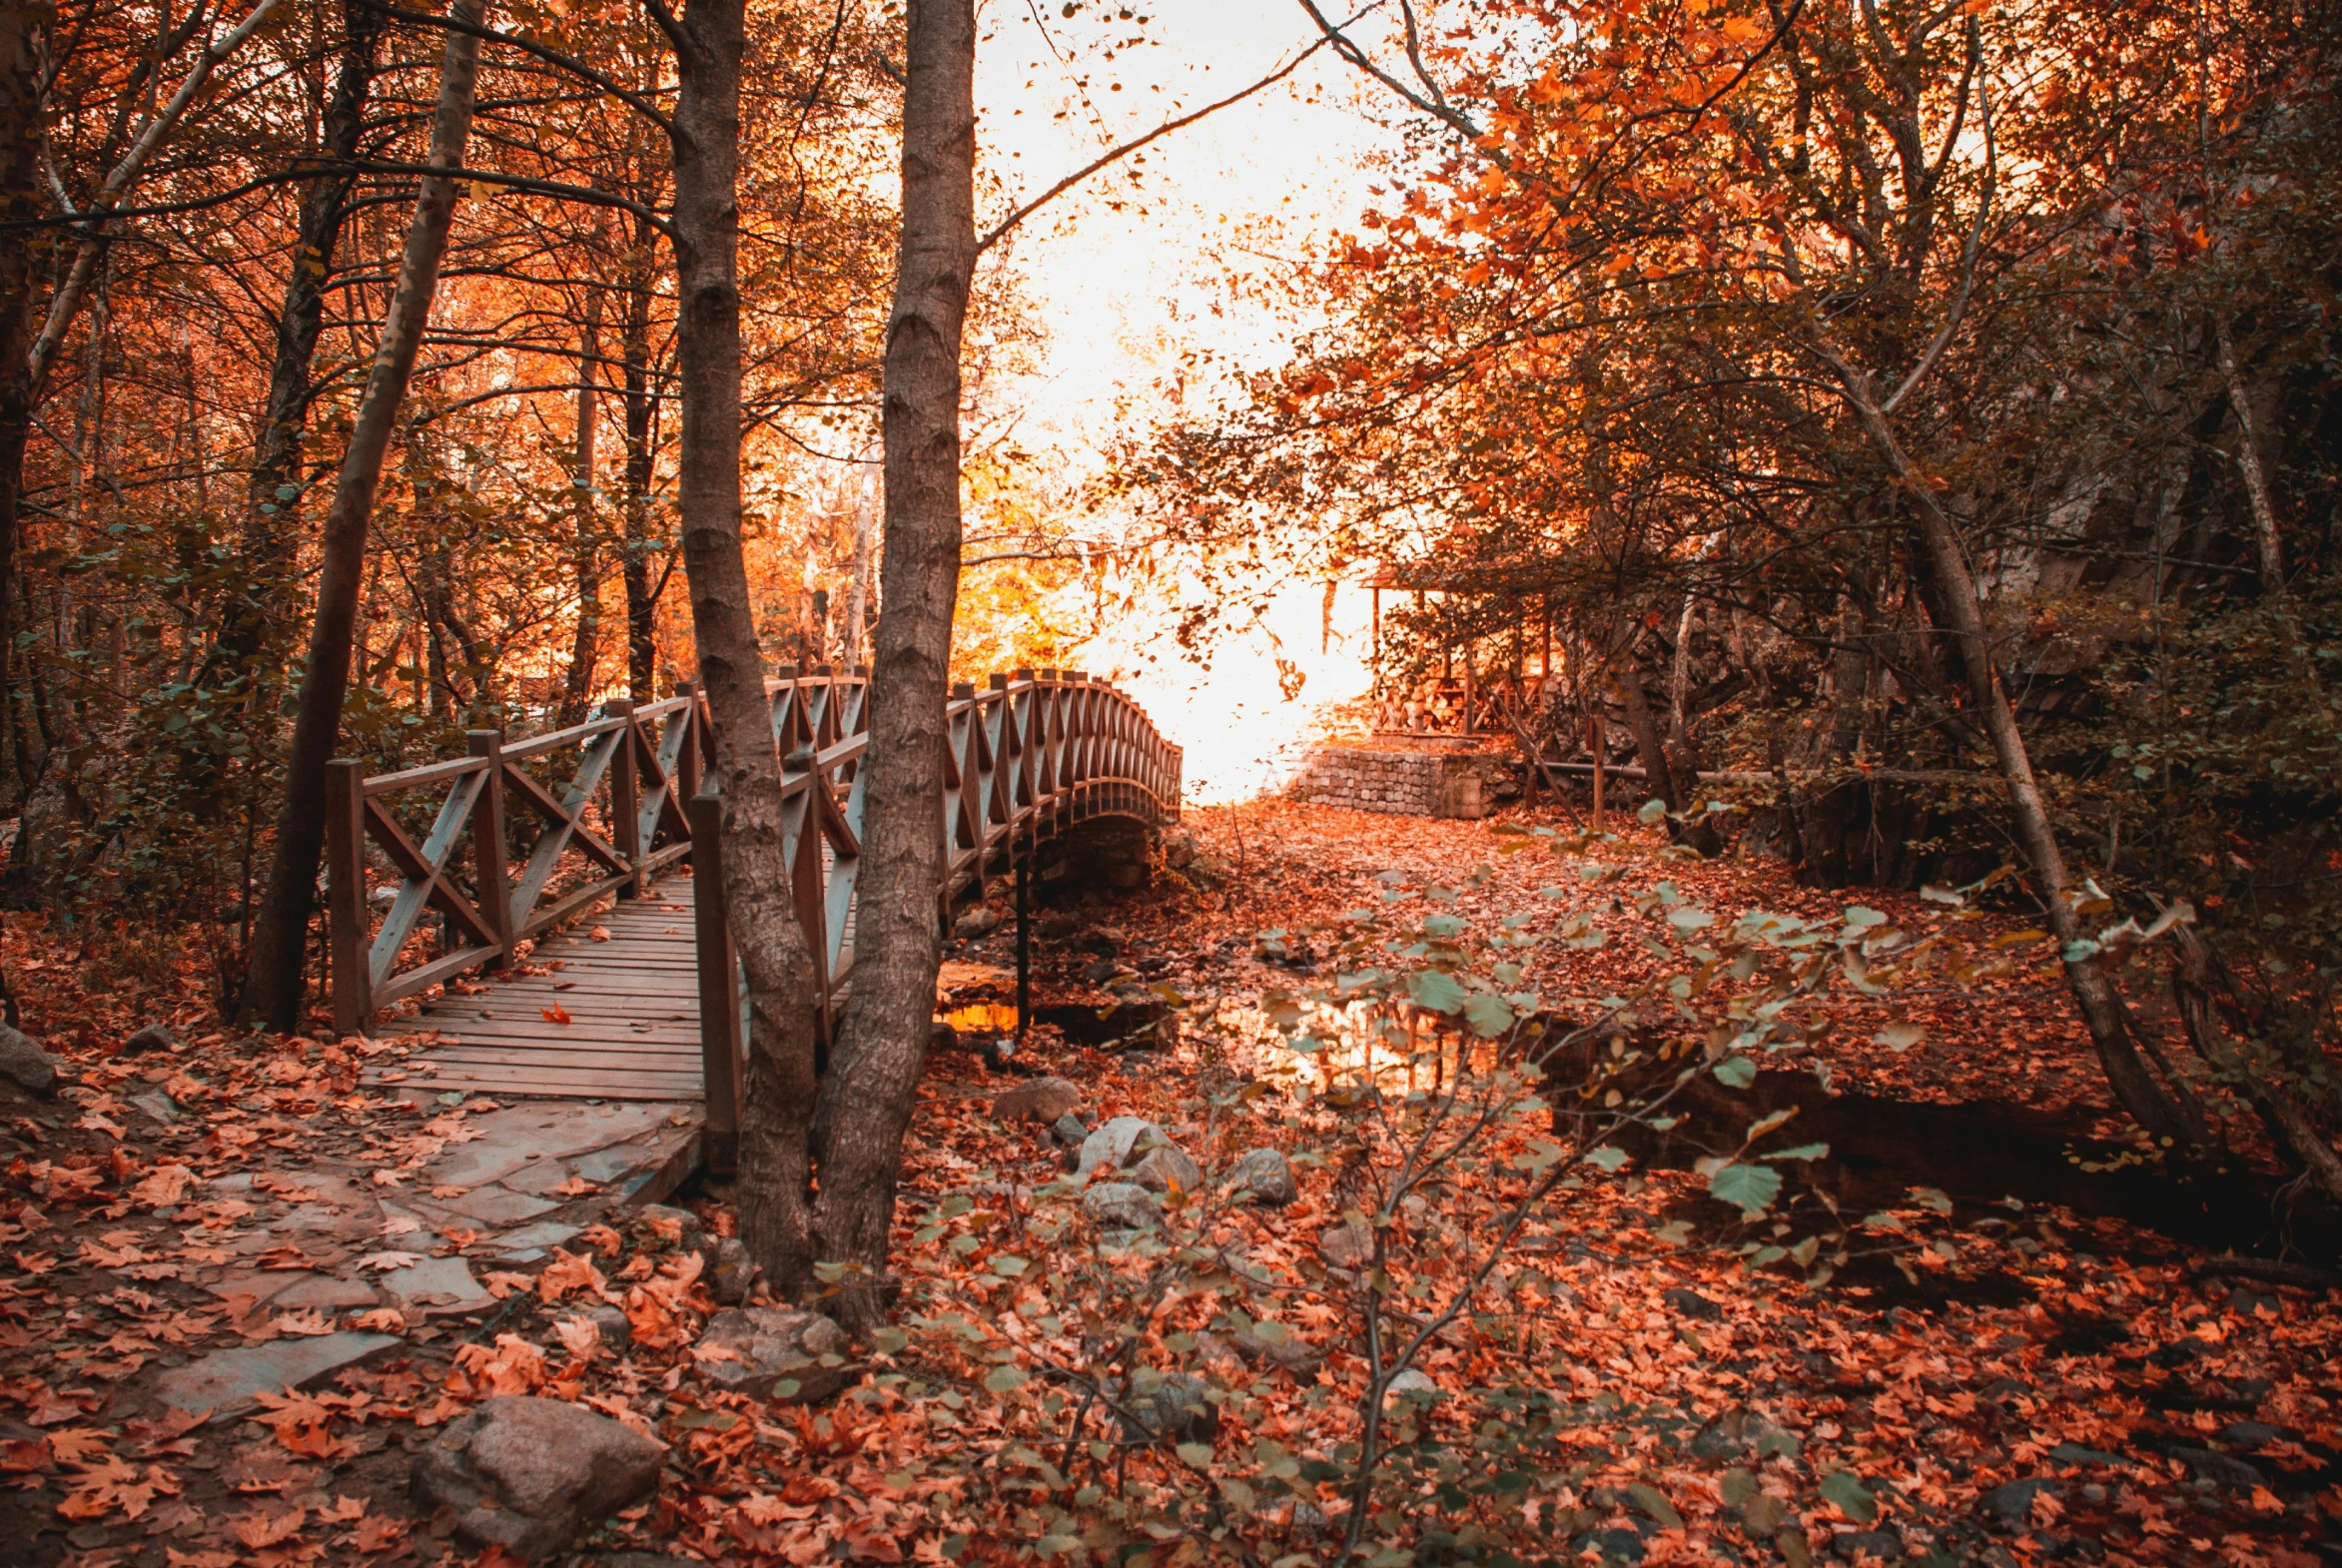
[
  {"x": 766, "y": 1346},
  {"x": 1122, "y": 1206},
  {"x": 1264, "y": 1176},
  {"x": 979, "y": 921},
  {"x": 1346, "y": 1246},
  {"x": 1163, "y": 1168},
  {"x": 154, "y": 1036},
  {"x": 1069, "y": 1131},
  {"x": 26, "y": 1063},
  {"x": 2011, "y": 1502},
  {"x": 530, "y": 1474},
  {"x": 1414, "y": 1380},
  {"x": 1115, "y": 1145},
  {"x": 681, "y": 1223}
]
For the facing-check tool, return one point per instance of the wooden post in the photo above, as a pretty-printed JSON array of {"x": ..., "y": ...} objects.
[
  {"x": 1024, "y": 935},
  {"x": 489, "y": 869},
  {"x": 627, "y": 798},
  {"x": 1594, "y": 745},
  {"x": 351, "y": 969},
  {"x": 685, "y": 784},
  {"x": 719, "y": 984}
]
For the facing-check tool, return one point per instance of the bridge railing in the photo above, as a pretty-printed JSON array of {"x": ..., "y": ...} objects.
[{"x": 507, "y": 853}]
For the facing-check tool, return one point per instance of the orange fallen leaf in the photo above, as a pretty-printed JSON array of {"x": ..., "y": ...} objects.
[
  {"x": 599, "y": 934},
  {"x": 555, "y": 1014},
  {"x": 257, "y": 1529}
]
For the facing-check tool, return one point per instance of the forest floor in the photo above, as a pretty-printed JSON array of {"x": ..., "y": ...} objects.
[{"x": 2048, "y": 1355}]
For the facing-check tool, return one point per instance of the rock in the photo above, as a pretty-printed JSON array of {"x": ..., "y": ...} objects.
[
  {"x": 2005, "y": 1390},
  {"x": 768, "y": 1346},
  {"x": 496, "y": 1204},
  {"x": 1346, "y": 1246},
  {"x": 1171, "y": 1406},
  {"x": 2011, "y": 1502},
  {"x": 1693, "y": 1304},
  {"x": 1265, "y": 1178},
  {"x": 1122, "y": 1206},
  {"x": 1165, "y": 1166},
  {"x": 324, "y": 1291},
  {"x": 679, "y": 1225},
  {"x": 529, "y": 1474},
  {"x": 730, "y": 1274},
  {"x": 2250, "y": 1434},
  {"x": 1117, "y": 1143},
  {"x": 616, "y": 1331},
  {"x": 1099, "y": 971},
  {"x": 440, "y": 1287},
  {"x": 1885, "y": 1545},
  {"x": 25, "y": 1062},
  {"x": 227, "y": 1381},
  {"x": 1737, "y": 1433},
  {"x": 1414, "y": 1380},
  {"x": 154, "y": 1036},
  {"x": 2220, "y": 1468},
  {"x": 980, "y": 921},
  {"x": 1106, "y": 939},
  {"x": 1068, "y": 1132},
  {"x": 1278, "y": 1347},
  {"x": 1038, "y": 1100},
  {"x": 157, "y": 1105}
]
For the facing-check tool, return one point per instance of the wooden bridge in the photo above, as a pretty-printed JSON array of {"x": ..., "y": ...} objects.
[{"x": 515, "y": 840}]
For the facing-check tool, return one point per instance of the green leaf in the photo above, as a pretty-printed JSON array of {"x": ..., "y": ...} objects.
[
  {"x": 1802, "y": 1151},
  {"x": 1690, "y": 919},
  {"x": 1749, "y": 1187},
  {"x": 1851, "y": 1495},
  {"x": 1652, "y": 811},
  {"x": 1488, "y": 1015},
  {"x": 1607, "y": 1158},
  {"x": 1196, "y": 1454},
  {"x": 829, "y": 1274},
  {"x": 1540, "y": 1155},
  {"x": 1443, "y": 926},
  {"x": 1736, "y": 1072},
  {"x": 1859, "y": 916},
  {"x": 890, "y": 1340},
  {"x": 1654, "y": 1502},
  {"x": 1005, "y": 1380},
  {"x": 1431, "y": 989},
  {"x": 1008, "y": 1264}
]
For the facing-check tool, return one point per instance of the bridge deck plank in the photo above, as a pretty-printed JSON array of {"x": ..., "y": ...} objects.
[{"x": 632, "y": 999}]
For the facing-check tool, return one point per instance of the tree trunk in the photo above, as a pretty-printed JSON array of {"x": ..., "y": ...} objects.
[
  {"x": 273, "y": 994},
  {"x": 854, "y": 643},
  {"x": 22, "y": 23},
  {"x": 641, "y": 404},
  {"x": 867, "y": 1098},
  {"x": 777, "y": 1106},
  {"x": 2166, "y": 1113},
  {"x": 585, "y": 557},
  {"x": 272, "y": 496}
]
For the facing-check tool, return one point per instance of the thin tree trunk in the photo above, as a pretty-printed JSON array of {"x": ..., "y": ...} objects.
[
  {"x": 273, "y": 994},
  {"x": 641, "y": 605},
  {"x": 22, "y": 23},
  {"x": 777, "y": 1109},
  {"x": 858, "y": 591},
  {"x": 2256, "y": 489},
  {"x": 867, "y": 1098},
  {"x": 585, "y": 558},
  {"x": 2166, "y": 1113},
  {"x": 270, "y": 535}
]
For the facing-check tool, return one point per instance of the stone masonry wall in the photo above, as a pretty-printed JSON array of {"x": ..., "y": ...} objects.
[{"x": 1405, "y": 783}]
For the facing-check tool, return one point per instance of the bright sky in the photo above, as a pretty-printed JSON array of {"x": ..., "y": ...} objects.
[{"x": 1123, "y": 292}]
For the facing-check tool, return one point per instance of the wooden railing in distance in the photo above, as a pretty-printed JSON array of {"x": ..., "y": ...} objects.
[{"x": 1030, "y": 755}]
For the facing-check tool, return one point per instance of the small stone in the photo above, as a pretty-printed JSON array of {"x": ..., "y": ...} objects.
[
  {"x": 1265, "y": 1178},
  {"x": 615, "y": 1329},
  {"x": 23, "y": 1061},
  {"x": 1112, "y": 1145},
  {"x": 1122, "y": 1206},
  {"x": 679, "y": 1225},
  {"x": 1171, "y": 1406},
  {"x": 154, "y": 1036},
  {"x": 1414, "y": 1380},
  {"x": 730, "y": 1272},
  {"x": 980, "y": 921},
  {"x": 1346, "y": 1246},
  {"x": 2075, "y": 1453},
  {"x": 2250, "y": 1434},
  {"x": 2011, "y": 1502},
  {"x": 1037, "y": 1100},
  {"x": 1165, "y": 1166},
  {"x": 530, "y": 1474},
  {"x": 766, "y": 1346},
  {"x": 1693, "y": 1304},
  {"x": 161, "y": 1107},
  {"x": 1068, "y": 1132},
  {"x": 226, "y": 1382}
]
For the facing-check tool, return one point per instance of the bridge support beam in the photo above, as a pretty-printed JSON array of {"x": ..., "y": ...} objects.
[{"x": 719, "y": 983}]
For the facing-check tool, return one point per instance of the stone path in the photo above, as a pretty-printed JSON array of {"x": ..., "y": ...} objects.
[{"x": 329, "y": 1238}]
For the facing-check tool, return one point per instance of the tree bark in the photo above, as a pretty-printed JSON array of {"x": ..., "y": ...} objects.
[
  {"x": 641, "y": 406},
  {"x": 778, "y": 1097},
  {"x": 586, "y": 554},
  {"x": 279, "y": 938},
  {"x": 868, "y": 1095},
  {"x": 22, "y": 23},
  {"x": 270, "y": 537},
  {"x": 858, "y": 592}
]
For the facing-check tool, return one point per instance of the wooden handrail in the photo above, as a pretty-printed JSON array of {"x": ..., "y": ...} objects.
[{"x": 1031, "y": 754}]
